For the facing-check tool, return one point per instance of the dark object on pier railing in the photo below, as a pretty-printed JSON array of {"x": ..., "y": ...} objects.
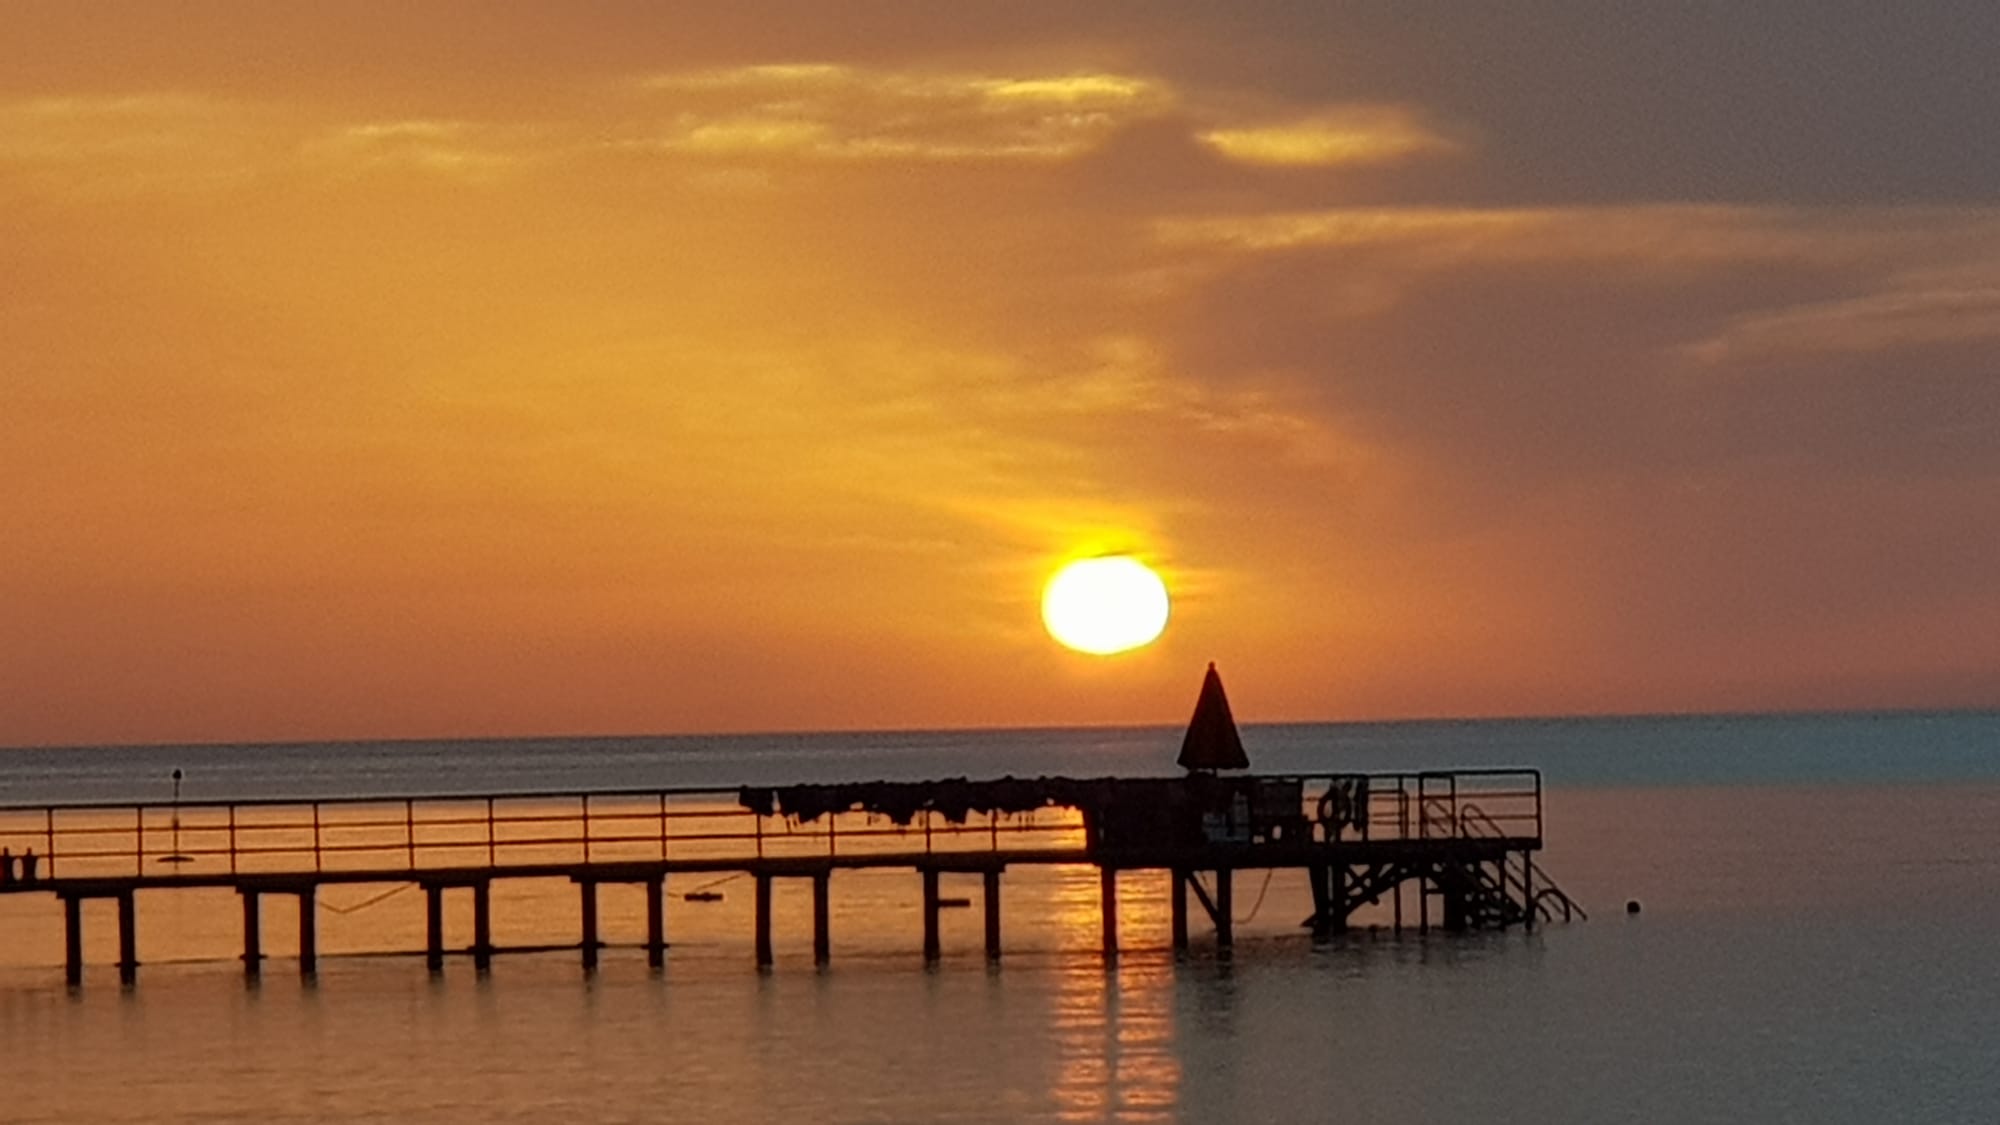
[{"x": 1212, "y": 742}]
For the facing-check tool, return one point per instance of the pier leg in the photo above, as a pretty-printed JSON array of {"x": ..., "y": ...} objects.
[
  {"x": 588, "y": 890},
  {"x": 1322, "y": 905},
  {"x": 308, "y": 933},
  {"x": 933, "y": 948},
  {"x": 764, "y": 958},
  {"x": 656, "y": 921},
  {"x": 73, "y": 939},
  {"x": 482, "y": 926},
  {"x": 128, "y": 938},
  {"x": 1225, "y": 916},
  {"x": 1399, "y": 904},
  {"x": 1527, "y": 888},
  {"x": 434, "y": 928},
  {"x": 1177, "y": 903},
  {"x": 992, "y": 903},
  {"x": 822, "y": 931},
  {"x": 253, "y": 935},
  {"x": 1107, "y": 883},
  {"x": 1336, "y": 898}
]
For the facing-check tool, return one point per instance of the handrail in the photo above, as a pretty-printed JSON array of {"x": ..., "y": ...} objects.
[
  {"x": 416, "y": 832},
  {"x": 1533, "y": 882}
]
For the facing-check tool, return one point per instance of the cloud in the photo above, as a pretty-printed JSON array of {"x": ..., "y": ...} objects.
[
  {"x": 837, "y": 112},
  {"x": 1335, "y": 138},
  {"x": 1873, "y": 323}
]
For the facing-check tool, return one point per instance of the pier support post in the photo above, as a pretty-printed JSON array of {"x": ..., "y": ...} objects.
[
  {"x": 482, "y": 926},
  {"x": 991, "y": 880},
  {"x": 933, "y": 948},
  {"x": 1225, "y": 908},
  {"x": 763, "y": 921},
  {"x": 1336, "y": 898},
  {"x": 1318, "y": 876},
  {"x": 128, "y": 938},
  {"x": 656, "y": 921},
  {"x": 1177, "y": 904},
  {"x": 308, "y": 933},
  {"x": 1527, "y": 888},
  {"x": 434, "y": 927},
  {"x": 1107, "y": 884},
  {"x": 253, "y": 934},
  {"x": 72, "y": 939},
  {"x": 822, "y": 930},
  {"x": 587, "y": 889}
]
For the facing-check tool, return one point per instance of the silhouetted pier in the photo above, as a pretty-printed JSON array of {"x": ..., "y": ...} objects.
[{"x": 1459, "y": 843}]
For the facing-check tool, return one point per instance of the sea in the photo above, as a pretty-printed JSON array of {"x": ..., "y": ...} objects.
[{"x": 1792, "y": 918}]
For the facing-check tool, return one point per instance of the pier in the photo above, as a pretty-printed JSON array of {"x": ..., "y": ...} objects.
[{"x": 1452, "y": 850}]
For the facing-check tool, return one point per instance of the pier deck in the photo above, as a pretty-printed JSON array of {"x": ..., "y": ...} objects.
[{"x": 1465, "y": 840}]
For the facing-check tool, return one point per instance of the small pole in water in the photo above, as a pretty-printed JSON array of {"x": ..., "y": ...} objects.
[{"x": 175, "y": 856}]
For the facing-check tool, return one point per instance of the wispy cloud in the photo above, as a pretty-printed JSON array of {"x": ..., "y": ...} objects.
[
  {"x": 833, "y": 112},
  {"x": 1362, "y": 135}
]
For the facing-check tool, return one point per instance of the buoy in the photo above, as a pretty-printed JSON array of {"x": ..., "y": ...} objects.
[
  {"x": 951, "y": 902},
  {"x": 1632, "y": 906},
  {"x": 702, "y": 896}
]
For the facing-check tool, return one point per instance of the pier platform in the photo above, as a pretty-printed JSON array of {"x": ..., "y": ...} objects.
[{"x": 1461, "y": 844}]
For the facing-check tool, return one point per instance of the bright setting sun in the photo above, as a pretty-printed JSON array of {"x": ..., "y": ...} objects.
[{"x": 1105, "y": 605}]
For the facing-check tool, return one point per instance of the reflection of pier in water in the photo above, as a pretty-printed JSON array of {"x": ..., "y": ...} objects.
[{"x": 1460, "y": 843}]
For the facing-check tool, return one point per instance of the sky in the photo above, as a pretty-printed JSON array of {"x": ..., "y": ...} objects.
[{"x": 410, "y": 370}]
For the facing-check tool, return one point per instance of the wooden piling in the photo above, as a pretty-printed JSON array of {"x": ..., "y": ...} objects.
[
  {"x": 656, "y": 921},
  {"x": 991, "y": 888},
  {"x": 822, "y": 935},
  {"x": 253, "y": 937},
  {"x": 308, "y": 933},
  {"x": 128, "y": 938},
  {"x": 933, "y": 948},
  {"x": 482, "y": 926},
  {"x": 1225, "y": 917},
  {"x": 587, "y": 890},
  {"x": 72, "y": 939},
  {"x": 434, "y": 927},
  {"x": 763, "y": 921},
  {"x": 1107, "y": 888},
  {"x": 1177, "y": 903}
]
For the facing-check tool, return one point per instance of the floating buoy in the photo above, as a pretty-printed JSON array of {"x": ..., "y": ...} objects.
[
  {"x": 1632, "y": 906},
  {"x": 702, "y": 896},
  {"x": 947, "y": 902}
]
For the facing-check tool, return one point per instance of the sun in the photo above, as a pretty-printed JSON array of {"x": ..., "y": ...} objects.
[{"x": 1105, "y": 605}]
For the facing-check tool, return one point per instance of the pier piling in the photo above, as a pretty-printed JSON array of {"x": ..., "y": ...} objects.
[
  {"x": 72, "y": 939},
  {"x": 1177, "y": 905},
  {"x": 763, "y": 897},
  {"x": 128, "y": 938},
  {"x": 1107, "y": 880},
  {"x": 933, "y": 948},
  {"x": 434, "y": 927},
  {"x": 253, "y": 938},
  {"x": 822, "y": 937},
  {"x": 991, "y": 896},
  {"x": 308, "y": 932},
  {"x": 587, "y": 889},
  {"x": 482, "y": 926},
  {"x": 656, "y": 921}
]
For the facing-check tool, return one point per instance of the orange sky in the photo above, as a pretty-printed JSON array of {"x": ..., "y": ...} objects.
[{"x": 393, "y": 370}]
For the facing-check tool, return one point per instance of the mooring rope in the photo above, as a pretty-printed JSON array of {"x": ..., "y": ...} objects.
[
  {"x": 365, "y": 903},
  {"x": 1259, "y": 904}
]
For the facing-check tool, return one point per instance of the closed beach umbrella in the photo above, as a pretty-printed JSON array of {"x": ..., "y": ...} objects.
[{"x": 1211, "y": 742}]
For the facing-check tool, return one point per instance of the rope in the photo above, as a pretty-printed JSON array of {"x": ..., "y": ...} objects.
[
  {"x": 366, "y": 903},
  {"x": 1259, "y": 904}
]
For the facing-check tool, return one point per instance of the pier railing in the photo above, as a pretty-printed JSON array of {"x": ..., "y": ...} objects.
[{"x": 218, "y": 841}]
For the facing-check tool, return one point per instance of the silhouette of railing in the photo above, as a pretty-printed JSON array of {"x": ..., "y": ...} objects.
[{"x": 215, "y": 841}]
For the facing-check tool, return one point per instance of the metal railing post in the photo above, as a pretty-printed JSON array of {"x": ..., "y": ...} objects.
[
  {"x": 586, "y": 828},
  {"x": 663, "y": 827},
  {"x": 492, "y": 850},
  {"x": 317, "y": 863},
  {"x": 51, "y": 848},
  {"x": 409, "y": 830},
  {"x": 232, "y": 839},
  {"x": 139, "y": 861}
]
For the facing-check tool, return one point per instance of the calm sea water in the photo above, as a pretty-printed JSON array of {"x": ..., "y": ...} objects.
[{"x": 1820, "y": 898}]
